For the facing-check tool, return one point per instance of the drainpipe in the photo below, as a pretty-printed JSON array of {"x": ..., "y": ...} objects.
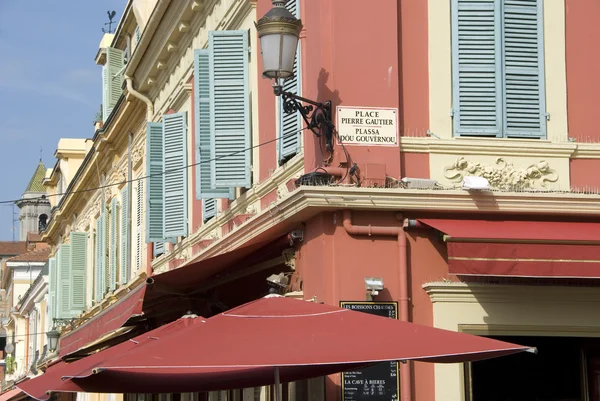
[
  {"x": 398, "y": 232},
  {"x": 149, "y": 118}
]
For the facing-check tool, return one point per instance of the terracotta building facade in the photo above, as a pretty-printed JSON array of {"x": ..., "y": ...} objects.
[{"x": 460, "y": 176}]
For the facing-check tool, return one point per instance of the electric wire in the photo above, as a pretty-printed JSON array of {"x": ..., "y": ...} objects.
[{"x": 164, "y": 172}]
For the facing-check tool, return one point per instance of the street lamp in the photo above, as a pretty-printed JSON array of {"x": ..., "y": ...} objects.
[
  {"x": 53, "y": 336},
  {"x": 279, "y": 32}
]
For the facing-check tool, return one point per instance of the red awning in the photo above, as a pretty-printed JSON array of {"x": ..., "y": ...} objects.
[
  {"x": 110, "y": 319},
  {"x": 241, "y": 348},
  {"x": 11, "y": 394},
  {"x": 521, "y": 248},
  {"x": 55, "y": 379},
  {"x": 169, "y": 290}
]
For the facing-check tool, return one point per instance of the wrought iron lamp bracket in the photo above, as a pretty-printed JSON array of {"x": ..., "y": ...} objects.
[{"x": 316, "y": 115}]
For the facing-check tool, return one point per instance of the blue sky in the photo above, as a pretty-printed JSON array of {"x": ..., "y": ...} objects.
[{"x": 50, "y": 87}]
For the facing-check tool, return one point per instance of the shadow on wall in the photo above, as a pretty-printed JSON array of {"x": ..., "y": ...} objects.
[{"x": 325, "y": 94}]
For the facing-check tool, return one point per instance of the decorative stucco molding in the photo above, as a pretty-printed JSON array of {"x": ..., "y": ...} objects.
[
  {"x": 137, "y": 155},
  {"x": 503, "y": 175}
]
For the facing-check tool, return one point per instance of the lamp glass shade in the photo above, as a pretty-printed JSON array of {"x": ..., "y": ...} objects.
[
  {"x": 278, "y": 50},
  {"x": 53, "y": 336}
]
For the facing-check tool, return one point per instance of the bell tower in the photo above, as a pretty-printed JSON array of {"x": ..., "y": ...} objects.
[{"x": 34, "y": 208}]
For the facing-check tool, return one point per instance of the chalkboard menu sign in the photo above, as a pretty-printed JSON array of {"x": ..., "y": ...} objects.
[{"x": 379, "y": 382}]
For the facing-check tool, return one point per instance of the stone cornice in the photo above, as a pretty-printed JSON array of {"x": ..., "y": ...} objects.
[
  {"x": 454, "y": 292},
  {"x": 305, "y": 202},
  {"x": 500, "y": 147}
]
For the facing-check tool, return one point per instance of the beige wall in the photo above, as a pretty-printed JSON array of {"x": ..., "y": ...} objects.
[{"x": 508, "y": 310}]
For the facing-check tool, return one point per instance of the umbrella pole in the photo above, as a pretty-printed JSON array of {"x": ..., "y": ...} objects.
[{"x": 277, "y": 385}]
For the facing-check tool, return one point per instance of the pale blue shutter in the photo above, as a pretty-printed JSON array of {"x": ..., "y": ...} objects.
[
  {"x": 477, "y": 67},
  {"x": 159, "y": 248},
  {"x": 125, "y": 254},
  {"x": 100, "y": 259},
  {"x": 138, "y": 34},
  {"x": 53, "y": 278},
  {"x": 138, "y": 224},
  {"x": 154, "y": 187},
  {"x": 229, "y": 109},
  {"x": 209, "y": 209},
  {"x": 175, "y": 180},
  {"x": 78, "y": 272},
  {"x": 64, "y": 310},
  {"x": 112, "y": 80},
  {"x": 290, "y": 125},
  {"x": 203, "y": 133},
  {"x": 523, "y": 56},
  {"x": 113, "y": 248}
]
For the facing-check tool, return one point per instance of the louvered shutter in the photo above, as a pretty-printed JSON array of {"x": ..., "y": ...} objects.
[
  {"x": 477, "y": 67},
  {"x": 114, "y": 244},
  {"x": 290, "y": 137},
  {"x": 203, "y": 135},
  {"x": 64, "y": 310},
  {"x": 209, "y": 209},
  {"x": 100, "y": 281},
  {"x": 175, "y": 178},
  {"x": 53, "y": 278},
  {"x": 78, "y": 272},
  {"x": 139, "y": 210},
  {"x": 155, "y": 182},
  {"x": 523, "y": 56},
  {"x": 138, "y": 34},
  {"x": 159, "y": 248},
  {"x": 112, "y": 80},
  {"x": 229, "y": 109},
  {"x": 125, "y": 254}
]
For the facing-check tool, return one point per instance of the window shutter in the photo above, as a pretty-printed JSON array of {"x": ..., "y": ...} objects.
[
  {"x": 477, "y": 67},
  {"x": 125, "y": 256},
  {"x": 114, "y": 244},
  {"x": 100, "y": 258},
  {"x": 175, "y": 178},
  {"x": 523, "y": 56},
  {"x": 290, "y": 136},
  {"x": 78, "y": 272},
  {"x": 209, "y": 209},
  {"x": 64, "y": 310},
  {"x": 229, "y": 109},
  {"x": 139, "y": 210},
  {"x": 159, "y": 248},
  {"x": 155, "y": 181},
  {"x": 138, "y": 34},
  {"x": 203, "y": 133},
  {"x": 52, "y": 273},
  {"x": 112, "y": 80}
]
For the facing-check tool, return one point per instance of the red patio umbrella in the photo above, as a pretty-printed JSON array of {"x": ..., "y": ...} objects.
[
  {"x": 53, "y": 379},
  {"x": 271, "y": 338}
]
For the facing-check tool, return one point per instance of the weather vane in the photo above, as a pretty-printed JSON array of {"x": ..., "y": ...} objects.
[{"x": 111, "y": 15}]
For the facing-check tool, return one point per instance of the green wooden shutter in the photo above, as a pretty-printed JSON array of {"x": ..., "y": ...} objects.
[
  {"x": 64, "y": 309},
  {"x": 229, "y": 109},
  {"x": 209, "y": 209},
  {"x": 138, "y": 34},
  {"x": 78, "y": 272},
  {"x": 175, "y": 192},
  {"x": 53, "y": 278},
  {"x": 203, "y": 133},
  {"x": 114, "y": 244},
  {"x": 125, "y": 254},
  {"x": 139, "y": 211},
  {"x": 112, "y": 80},
  {"x": 477, "y": 67},
  {"x": 155, "y": 182},
  {"x": 523, "y": 57},
  {"x": 290, "y": 136}
]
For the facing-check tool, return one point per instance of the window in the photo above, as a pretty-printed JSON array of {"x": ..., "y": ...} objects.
[
  {"x": 498, "y": 68},
  {"x": 290, "y": 125},
  {"x": 67, "y": 273}
]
